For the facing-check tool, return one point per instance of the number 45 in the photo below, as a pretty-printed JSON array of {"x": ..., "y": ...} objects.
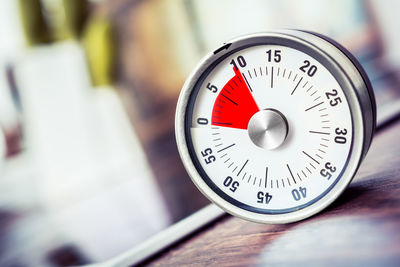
[{"x": 263, "y": 197}]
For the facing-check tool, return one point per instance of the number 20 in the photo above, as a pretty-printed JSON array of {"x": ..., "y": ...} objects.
[{"x": 308, "y": 68}]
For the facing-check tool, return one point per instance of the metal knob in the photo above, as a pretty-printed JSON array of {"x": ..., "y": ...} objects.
[{"x": 268, "y": 128}]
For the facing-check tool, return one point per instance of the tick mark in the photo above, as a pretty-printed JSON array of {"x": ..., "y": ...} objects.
[
  {"x": 316, "y": 105},
  {"x": 287, "y": 165},
  {"x": 272, "y": 77},
  {"x": 225, "y": 148},
  {"x": 316, "y": 132},
  {"x": 308, "y": 170},
  {"x": 251, "y": 90},
  {"x": 249, "y": 74},
  {"x": 296, "y": 85},
  {"x": 226, "y": 90},
  {"x": 310, "y": 157},
  {"x": 242, "y": 167},
  {"x": 230, "y": 99},
  {"x": 222, "y": 123}
]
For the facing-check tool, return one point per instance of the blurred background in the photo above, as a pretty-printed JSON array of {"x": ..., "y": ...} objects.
[{"x": 88, "y": 162}]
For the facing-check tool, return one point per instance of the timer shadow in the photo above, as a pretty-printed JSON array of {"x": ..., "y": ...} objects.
[
  {"x": 340, "y": 240},
  {"x": 370, "y": 193},
  {"x": 353, "y": 196},
  {"x": 338, "y": 235}
]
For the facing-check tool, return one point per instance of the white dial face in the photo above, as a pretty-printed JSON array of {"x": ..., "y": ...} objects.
[{"x": 269, "y": 129}]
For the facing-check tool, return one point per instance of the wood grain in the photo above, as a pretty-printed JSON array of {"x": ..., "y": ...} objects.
[{"x": 361, "y": 228}]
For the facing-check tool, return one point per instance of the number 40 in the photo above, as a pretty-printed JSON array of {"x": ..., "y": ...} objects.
[{"x": 299, "y": 194}]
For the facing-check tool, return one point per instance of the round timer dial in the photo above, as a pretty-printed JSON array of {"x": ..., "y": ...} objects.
[{"x": 272, "y": 127}]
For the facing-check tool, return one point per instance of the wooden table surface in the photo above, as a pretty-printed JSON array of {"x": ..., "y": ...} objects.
[{"x": 362, "y": 227}]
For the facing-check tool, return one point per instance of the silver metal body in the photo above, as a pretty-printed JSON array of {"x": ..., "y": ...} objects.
[
  {"x": 268, "y": 129},
  {"x": 349, "y": 75}
]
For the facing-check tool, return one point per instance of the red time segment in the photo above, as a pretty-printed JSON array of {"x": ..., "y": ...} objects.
[{"x": 234, "y": 105}]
